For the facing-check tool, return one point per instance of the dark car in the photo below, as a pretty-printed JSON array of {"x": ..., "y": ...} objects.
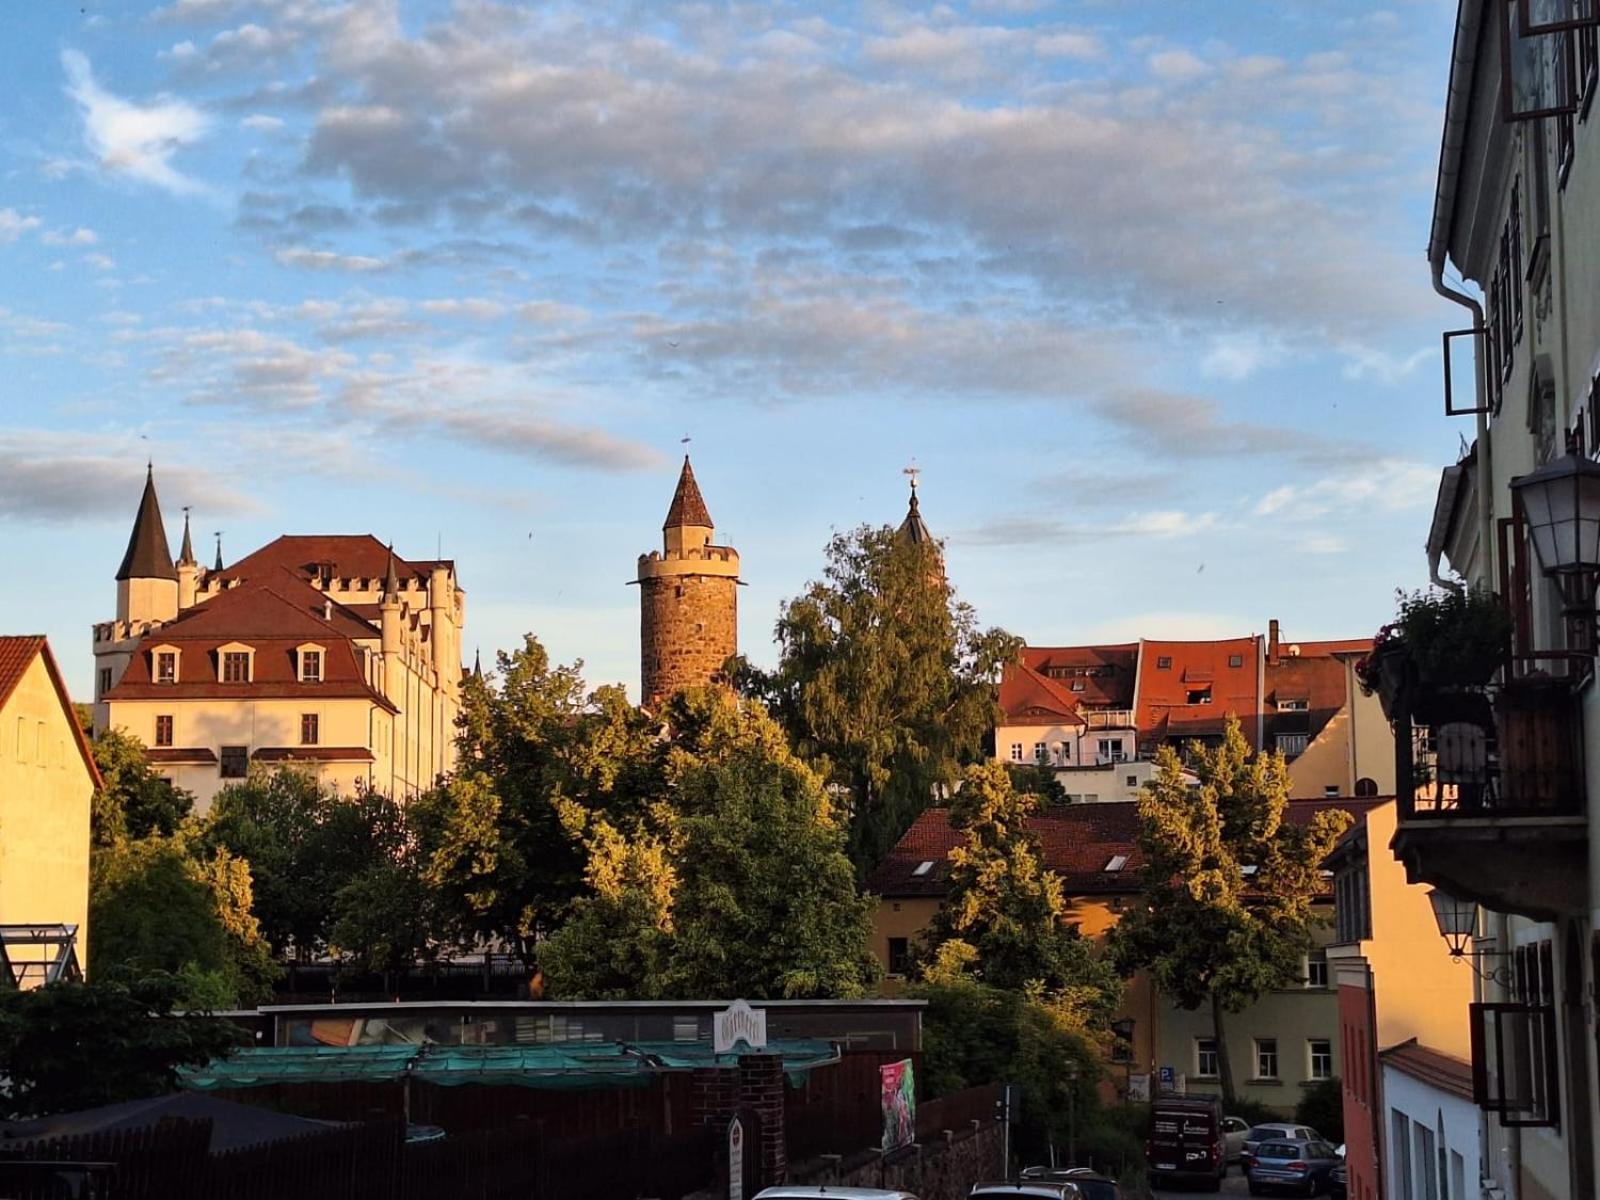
[
  {"x": 1092, "y": 1184},
  {"x": 1187, "y": 1143},
  {"x": 1301, "y": 1167},
  {"x": 1336, "y": 1182}
]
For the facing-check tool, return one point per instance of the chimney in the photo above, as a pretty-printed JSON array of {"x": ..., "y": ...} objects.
[{"x": 1272, "y": 642}]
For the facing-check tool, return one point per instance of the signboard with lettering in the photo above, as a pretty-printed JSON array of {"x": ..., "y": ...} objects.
[
  {"x": 736, "y": 1159},
  {"x": 1138, "y": 1089},
  {"x": 738, "y": 1023},
  {"x": 899, "y": 1091}
]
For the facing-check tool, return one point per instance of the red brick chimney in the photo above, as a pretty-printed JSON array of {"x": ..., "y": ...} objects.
[{"x": 1272, "y": 642}]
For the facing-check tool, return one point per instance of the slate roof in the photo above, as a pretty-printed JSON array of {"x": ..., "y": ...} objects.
[
  {"x": 914, "y": 529},
  {"x": 688, "y": 505},
  {"x": 147, "y": 555},
  {"x": 1078, "y": 842}
]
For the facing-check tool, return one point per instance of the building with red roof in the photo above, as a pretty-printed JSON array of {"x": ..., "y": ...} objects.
[
  {"x": 1096, "y": 715},
  {"x": 47, "y": 783},
  {"x": 1093, "y": 848},
  {"x": 328, "y": 651}
]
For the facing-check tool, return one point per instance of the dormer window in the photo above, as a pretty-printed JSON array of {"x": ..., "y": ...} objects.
[
  {"x": 310, "y": 660},
  {"x": 164, "y": 665},
  {"x": 235, "y": 663}
]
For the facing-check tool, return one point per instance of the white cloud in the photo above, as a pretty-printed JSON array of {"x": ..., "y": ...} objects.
[
  {"x": 13, "y": 225},
  {"x": 50, "y": 476},
  {"x": 73, "y": 237},
  {"x": 100, "y": 262},
  {"x": 133, "y": 140},
  {"x": 1068, "y": 45},
  {"x": 263, "y": 123},
  {"x": 327, "y": 260},
  {"x": 1176, "y": 66},
  {"x": 1235, "y": 357}
]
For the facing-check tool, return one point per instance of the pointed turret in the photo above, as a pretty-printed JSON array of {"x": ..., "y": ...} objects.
[
  {"x": 391, "y": 582},
  {"x": 477, "y": 664},
  {"x": 186, "y": 556},
  {"x": 914, "y": 529},
  {"x": 688, "y": 505},
  {"x": 147, "y": 556},
  {"x": 188, "y": 569},
  {"x": 217, "y": 566}
]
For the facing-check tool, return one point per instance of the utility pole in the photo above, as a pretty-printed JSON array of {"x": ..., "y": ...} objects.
[{"x": 1072, "y": 1114}]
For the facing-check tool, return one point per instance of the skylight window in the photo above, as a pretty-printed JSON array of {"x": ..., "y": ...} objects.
[
  {"x": 922, "y": 868},
  {"x": 1118, "y": 861},
  {"x": 1248, "y": 869}
]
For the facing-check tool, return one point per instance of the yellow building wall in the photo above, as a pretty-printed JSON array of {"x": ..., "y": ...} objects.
[
  {"x": 1357, "y": 743},
  {"x": 45, "y": 794}
]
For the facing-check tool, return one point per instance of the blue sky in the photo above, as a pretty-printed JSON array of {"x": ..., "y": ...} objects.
[{"x": 1138, "y": 284}]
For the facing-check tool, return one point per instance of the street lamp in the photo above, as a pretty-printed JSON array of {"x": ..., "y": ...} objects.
[
  {"x": 1457, "y": 919},
  {"x": 1561, "y": 503}
]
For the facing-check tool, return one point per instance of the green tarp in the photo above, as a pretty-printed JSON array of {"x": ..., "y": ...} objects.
[{"x": 560, "y": 1065}]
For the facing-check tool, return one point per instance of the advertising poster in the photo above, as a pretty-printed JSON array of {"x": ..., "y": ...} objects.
[{"x": 899, "y": 1104}]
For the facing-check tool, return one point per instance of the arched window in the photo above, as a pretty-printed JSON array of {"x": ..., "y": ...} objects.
[{"x": 1366, "y": 787}]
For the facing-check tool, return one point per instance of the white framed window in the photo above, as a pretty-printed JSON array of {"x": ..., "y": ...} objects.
[
  {"x": 311, "y": 664},
  {"x": 1319, "y": 1053},
  {"x": 1064, "y": 752},
  {"x": 310, "y": 729},
  {"x": 166, "y": 666},
  {"x": 1317, "y": 970},
  {"x": 1111, "y": 750},
  {"x": 1266, "y": 1058},
  {"x": 1016, "y": 751},
  {"x": 1041, "y": 752},
  {"x": 1078, "y": 685},
  {"x": 1292, "y": 744},
  {"x": 1294, "y": 705},
  {"x": 235, "y": 662},
  {"x": 1205, "y": 1058}
]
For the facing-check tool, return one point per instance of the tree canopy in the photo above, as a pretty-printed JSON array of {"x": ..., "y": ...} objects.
[
  {"x": 1229, "y": 883},
  {"x": 133, "y": 800},
  {"x": 735, "y": 883},
  {"x": 885, "y": 682}
]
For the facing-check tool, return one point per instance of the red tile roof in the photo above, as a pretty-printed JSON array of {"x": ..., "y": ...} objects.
[
  {"x": 1443, "y": 1071},
  {"x": 1078, "y": 842},
  {"x": 179, "y": 754},
  {"x": 1164, "y": 711},
  {"x": 1029, "y": 698},
  {"x": 1106, "y": 672},
  {"x": 688, "y": 505},
  {"x": 351, "y": 556},
  {"x": 16, "y": 656}
]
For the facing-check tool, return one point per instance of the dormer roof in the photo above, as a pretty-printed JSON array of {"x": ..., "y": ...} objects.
[{"x": 147, "y": 556}]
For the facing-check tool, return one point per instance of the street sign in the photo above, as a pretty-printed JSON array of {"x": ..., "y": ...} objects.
[
  {"x": 1167, "y": 1076},
  {"x": 735, "y": 1159},
  {"x": 738, "y": 1023}
]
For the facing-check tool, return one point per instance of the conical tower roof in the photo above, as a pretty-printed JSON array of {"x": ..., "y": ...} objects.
[
  {"x": 688, "y": 505},
  {"x": 914, "y": 529},
  {"x": 148, "y": 556},
  {"x": 186, "y": 556},
  {"x": 391, "y": 582}
]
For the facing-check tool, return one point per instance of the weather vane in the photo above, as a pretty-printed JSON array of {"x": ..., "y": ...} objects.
[
  {"x": 685, "y": 440},
  {"x": 912, "y": 473}
]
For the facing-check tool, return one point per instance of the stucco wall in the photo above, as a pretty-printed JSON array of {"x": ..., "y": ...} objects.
[
  {"x": 1453, "y": 1123},
  {"x": 45, "y": 792}
]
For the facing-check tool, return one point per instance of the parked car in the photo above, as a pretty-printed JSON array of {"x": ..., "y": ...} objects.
[
  {"x": 1302, "y": 1167},
  {"x": 1234, "y": 1130},
  {"x": 1091, "y": 1183},
  {"x": 1040, "y": 1189},
  {"x": 1186, "y": 1142},
  {"x": 1273, "y": 1131},
  {"x": 794, "y": 1191},
  {"x": 1337, "y": 1180}
]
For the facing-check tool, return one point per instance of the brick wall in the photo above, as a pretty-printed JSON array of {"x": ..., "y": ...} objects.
[{"x": 688, "y": 628}]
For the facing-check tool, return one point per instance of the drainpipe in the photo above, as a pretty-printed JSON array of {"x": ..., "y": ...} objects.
[{"x": 1480, "y": 387}]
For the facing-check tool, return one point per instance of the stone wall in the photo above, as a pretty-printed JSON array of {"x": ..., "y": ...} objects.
[
  {"x": 688, "y": 628},
  {"x": 944, "y": 1169}
]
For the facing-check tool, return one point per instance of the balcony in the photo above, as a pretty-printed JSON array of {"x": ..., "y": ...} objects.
[
  {"x": 1107, "y": 718},
  {"x": 1491, "y": 798}
]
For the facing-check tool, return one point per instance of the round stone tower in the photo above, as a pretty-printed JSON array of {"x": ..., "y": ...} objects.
[{"x": 688, "y": 602}]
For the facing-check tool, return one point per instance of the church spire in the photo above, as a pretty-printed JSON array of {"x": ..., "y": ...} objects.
[
  {"x": 688, "y": 505},
  {"x": 147, "y": 556},
  {"x": 913, "y": 529},
  {"x": 218, "y": 565},
  {"x": 186, "y": 553}
]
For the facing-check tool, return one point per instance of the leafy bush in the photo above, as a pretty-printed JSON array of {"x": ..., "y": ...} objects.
[
  {"x": 1454, "y": 637},
  {"x": 1253, "y": 1112},
  {"x": 1322, "y": 1108}
]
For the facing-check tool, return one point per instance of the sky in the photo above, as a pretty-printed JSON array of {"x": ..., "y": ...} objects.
[{"x": 1139, "y": 286}]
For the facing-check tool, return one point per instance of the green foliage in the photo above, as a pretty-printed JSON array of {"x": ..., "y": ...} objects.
[
  {"x": 69, "y": 1046},
  {"x": 133, "y": 801},
  {"x": 884, "y": 682},
  {"x": 1454, "y": 636},
  {"x": 1205, "y": 930},
  {"x": 974, "y": 1034},
  {"x": 1322, "y": 1107},
  {"x": 157, "y": 909},
  {"x": 1038, "y": 781},
  {"x": 1004, "y": 915},
  {"x": 736, "y": 885},
  {"x": 305, "y": 845},
  {"x": 492, "y": 841}
]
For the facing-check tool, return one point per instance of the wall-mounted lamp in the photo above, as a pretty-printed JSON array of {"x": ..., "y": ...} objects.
[
  {"x": 1458, "y": 922},
  {"x": 1561, "y": 503}
]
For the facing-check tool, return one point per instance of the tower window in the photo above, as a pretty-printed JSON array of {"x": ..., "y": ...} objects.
[
  {"x": 164, "y": 730},
  {"x": 105, "y": 680}
]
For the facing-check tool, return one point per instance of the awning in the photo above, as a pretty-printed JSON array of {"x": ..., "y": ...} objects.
[{"x": 563, "y": 1066}]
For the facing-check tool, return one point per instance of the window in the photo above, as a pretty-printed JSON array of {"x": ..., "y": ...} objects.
[
  {"x": 1064, "y": 752},
  {"x": 308, "y": 729},
  {"x": 1292, "y": 744},
  {"x": 1351, "y": 905},
  {"x": 1366, "y": 787},
  {"x": 1317, "y": 970},
  {"x": 105, "y": 680},
  {"x": 164, "y": 730},
  {"x": 235, "y": 762},
  {"x": 1041, "y": 752},
  {"x": 1330, "y": 791},
  {"x": 922, "y": 868},
  {"x": 1016, "y": 751},
  {"x": 1205, "y": 1058},
  {"x": 1198, "y": 696},
  {"x": 899, "y": 956},
  {"x": 1294, "y": 705},
  {"x": 1400, "y": 1140},
  {"x": 1111, "y": 750},
  {"x": 166, "y": 667},
  {"x": 1164, "y": 662},
  {"x": 1116, "y": 862},
  {"x": 1266, "y": 1058},
  {"x": 1321, "y": 1051},
  {"x": 311, "y": 666},
  {"x": 236, "y": 666},
  {"x": 1514, "y": 1055},
  {"x": 1132, "y": 780},
  {"x": 22, "y": 739},
  {"x": 1426, "y": 1161},
  {"x": 1078, "y": 685},
  {"x": 1236, "y": 660}
]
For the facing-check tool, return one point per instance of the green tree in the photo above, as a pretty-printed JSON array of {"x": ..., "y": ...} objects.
[
  {"x": 157, "y": 909},
  {"x": 885, "y": 682},
  {"x": 1004, "y": 918},
  {"x": 305, "y": 844},
  {"x": 497, "y": 843},
  {"x": 117, "y": 1037},
  {"x": 133, "y": 800},
  {"x": 737, "y": 885},
  {"x": 1228, "y": 884}
]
